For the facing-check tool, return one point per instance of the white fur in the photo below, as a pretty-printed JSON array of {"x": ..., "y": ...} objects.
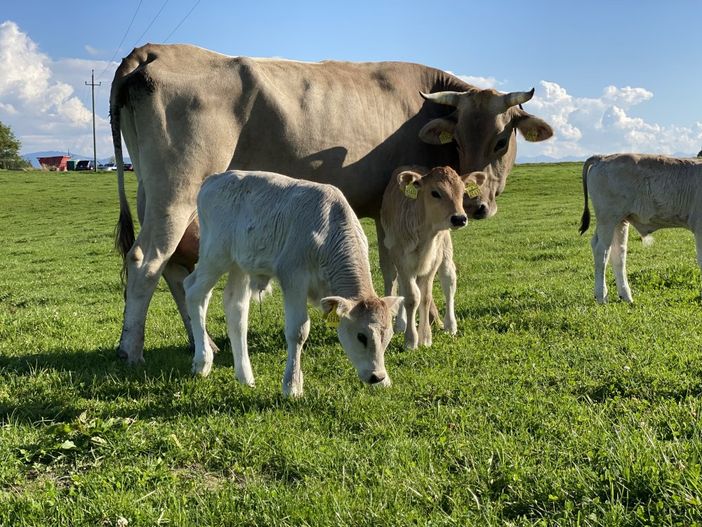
[
  {"x": 648, "y": 192},
  {"x": 256, "y": 226}
]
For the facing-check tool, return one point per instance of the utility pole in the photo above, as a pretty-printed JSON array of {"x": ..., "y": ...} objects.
[{"x": 92, "y": 89}]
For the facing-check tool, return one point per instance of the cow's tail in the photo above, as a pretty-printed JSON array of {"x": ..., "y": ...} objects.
[
  {"x": 124, "y": 230},
  {"x": 585, "y": 220}
]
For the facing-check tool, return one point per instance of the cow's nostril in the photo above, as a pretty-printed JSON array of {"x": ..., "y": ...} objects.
[
  {"x": 374, "y": 379},
  {"x": 481, "y": 212},
  {"x": 458, "y": 220}
]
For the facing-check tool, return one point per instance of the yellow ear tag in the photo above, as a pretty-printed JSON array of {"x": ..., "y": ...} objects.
[
  {"x": 332, "y": 318},
  {"x": 472, "y": 189},
  {"x": 445, "y": 137},
  {"x": 531, "y": 135},
  {"x": 411, "y": 191}
]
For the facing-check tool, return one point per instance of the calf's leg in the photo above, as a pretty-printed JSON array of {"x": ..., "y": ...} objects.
[
  {"x": 618, "y": 258},
  {"x": 297, "y": 329},
  {"x": 410, "y": 291},
  {"x": 237, "y": 297},
  {"x": 447, "y": 278},
  {"x": 389, "y": 271},
  {"x": 174, "y": 274},
  {"x": 601, "y": 243},
  {"x": 198, "y": 291}
]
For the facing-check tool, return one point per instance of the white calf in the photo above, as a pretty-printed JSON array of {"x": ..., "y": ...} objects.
[
  {"x": 257, "y": 226},
  {"x": 648, "y": 192},
  {"x": 416, "y": 214}
]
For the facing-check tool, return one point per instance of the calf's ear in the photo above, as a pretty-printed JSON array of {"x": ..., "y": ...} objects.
[
  {"x": 532, "y": 128},
  {"x": 336, "y": 304},
  {"x": 394, "y": 303},
  {"x": 438, "y": 131},
  {"x": 409, "y": 177}
]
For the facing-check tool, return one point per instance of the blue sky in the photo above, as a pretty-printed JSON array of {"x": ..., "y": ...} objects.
[{"x": 609, "y": 76}]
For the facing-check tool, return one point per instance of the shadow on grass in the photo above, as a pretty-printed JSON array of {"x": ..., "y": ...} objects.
[{"x": 58, "y": 385}]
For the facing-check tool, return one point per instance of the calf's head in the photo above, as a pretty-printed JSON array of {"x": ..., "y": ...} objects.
[
  {"x": 441, "y": 194},
  {"x": 365, "y": 329},
  {"x": 483, "y": 127}
]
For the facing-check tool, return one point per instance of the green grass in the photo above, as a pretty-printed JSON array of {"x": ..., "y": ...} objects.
[{"x": 546, "y": 409}]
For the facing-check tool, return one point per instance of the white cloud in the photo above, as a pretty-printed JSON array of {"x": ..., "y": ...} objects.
[
  {"x": 601, "y": 125},
  {"x": 46, "y": 102},
  {"x": 480, "y": 82}
]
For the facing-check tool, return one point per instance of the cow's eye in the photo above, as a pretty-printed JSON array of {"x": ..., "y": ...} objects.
[
  {"x": 500, "y": 144},
  {"x": 435, "y": 194},
  {"x": 362, "y": 339}
]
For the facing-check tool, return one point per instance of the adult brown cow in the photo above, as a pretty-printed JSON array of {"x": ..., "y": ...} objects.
[{"x": 186, "y": 112}]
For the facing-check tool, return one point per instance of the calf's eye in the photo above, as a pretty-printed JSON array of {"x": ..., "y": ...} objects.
[
  {"x": 500, "y": 144},
  {"x": 362, "y": 339},
  {"x": 435, "y": 194}
]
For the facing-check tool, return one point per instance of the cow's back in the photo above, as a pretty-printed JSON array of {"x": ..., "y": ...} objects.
[{"x": 195, "y": 112}]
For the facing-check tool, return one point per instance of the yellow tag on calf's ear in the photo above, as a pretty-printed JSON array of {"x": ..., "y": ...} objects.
[
  {"x": 445, "y": 137},
  {"x": 472, "y": 189},
  {"x": 332, "y": 318},
  {"x": 411, "y": 191}
]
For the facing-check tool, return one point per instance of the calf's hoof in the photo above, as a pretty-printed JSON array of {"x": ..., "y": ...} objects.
[{"x": 202, "y": 368}]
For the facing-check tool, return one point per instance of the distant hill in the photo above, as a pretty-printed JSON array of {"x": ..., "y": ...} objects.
[{"x": 32, "y": 157}]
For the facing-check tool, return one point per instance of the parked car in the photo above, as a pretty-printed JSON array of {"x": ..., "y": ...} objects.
[
  {"x": 85, "y": 164},
  {"x": 108, "y": 166},
  {"x": 128, "y": 166}
]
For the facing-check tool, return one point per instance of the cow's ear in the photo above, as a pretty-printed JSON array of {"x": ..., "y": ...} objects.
[
  {"x": 476, "y": 178},
  {"x": 532, "y": 128},
  {"x": 438, "y": 131}
]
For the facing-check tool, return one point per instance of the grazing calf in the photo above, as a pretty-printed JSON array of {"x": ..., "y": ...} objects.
[
  {"x": 417, "y": 212},
  {"x": 257, "y": 226},
  {"x": 646, "y": 191}
]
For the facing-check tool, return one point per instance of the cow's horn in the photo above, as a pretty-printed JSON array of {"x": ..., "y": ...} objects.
[
  {"x": 449, "y": 98},
  {"x": 517, "y": 97}
]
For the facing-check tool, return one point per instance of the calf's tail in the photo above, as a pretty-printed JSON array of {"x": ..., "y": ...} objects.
[{"x": 585, "y": 220}]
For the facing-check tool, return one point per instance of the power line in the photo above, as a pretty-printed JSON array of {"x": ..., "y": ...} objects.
[
  {"x": 181, "y": 22},
  {"x": 119, "y": 46},
  {"x": 150, "y": 24}
]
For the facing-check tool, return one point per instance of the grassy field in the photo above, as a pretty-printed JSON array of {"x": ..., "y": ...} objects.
[{"x": 546, "y": 409}]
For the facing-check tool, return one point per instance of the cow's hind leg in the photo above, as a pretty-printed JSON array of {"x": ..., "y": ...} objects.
[
  {"x": 145, "y": 262},
  {"x": 618, "y": 258},
  {"x": 175, "y": 274},
  {"x": 601, "y": 243},
  {"x": 237, "y": 297}
]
